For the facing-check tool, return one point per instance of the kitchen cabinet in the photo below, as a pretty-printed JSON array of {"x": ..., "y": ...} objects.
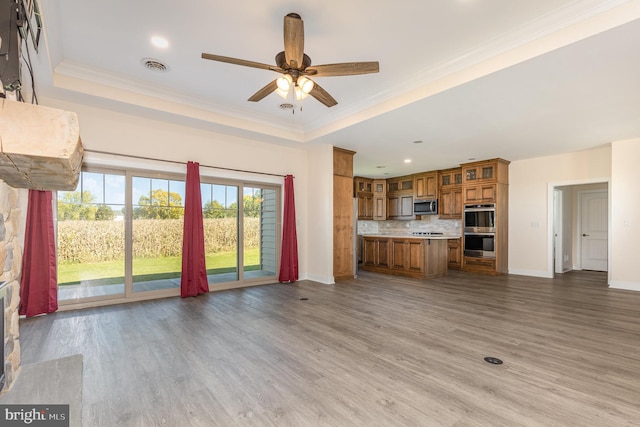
[
  {"x": 363, "y": 188},
  {"x": 480, "y": 180},
  {"x": 454, "y": 254},
  {"x": 400, "y": 185},
  {"x": 400, "y": 207},
  {"x": 379, "y": 199},
  {"x": 365, "y": 206},
  {"x": 411, "y": 257},
  {"x": 343, "y": 217},
  {"x": 407, "y": 255},
  {"x": 450, "y": 197},
  {"x": 375, "y": 253},
  {"x": 483, "y": 183},
  {"x": 426, "y": 185},
  {"x": 362, "y": 185}
]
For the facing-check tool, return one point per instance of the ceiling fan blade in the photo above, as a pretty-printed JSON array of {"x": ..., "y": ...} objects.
[
  {"x": 264, "y": 91},
  {"x": 322, "y": 95},
  {"x": 344, "y": 69},
  {"x": 243, "y": 62},
  {"x": 293, "y": 40}
]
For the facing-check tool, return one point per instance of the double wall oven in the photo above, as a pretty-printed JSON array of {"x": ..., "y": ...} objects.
[{"x": 480, "y": 230}]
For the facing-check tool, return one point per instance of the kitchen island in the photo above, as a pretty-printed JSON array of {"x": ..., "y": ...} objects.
[{"x": 417, "y": 256}]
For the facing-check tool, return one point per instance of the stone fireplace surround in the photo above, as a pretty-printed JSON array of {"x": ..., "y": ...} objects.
[{"x": 12, "y": 223}]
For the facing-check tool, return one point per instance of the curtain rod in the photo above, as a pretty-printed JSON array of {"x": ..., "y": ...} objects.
[{"x": 179, "y": 163}]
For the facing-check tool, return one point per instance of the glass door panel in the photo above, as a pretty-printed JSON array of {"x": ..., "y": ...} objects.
[
  {"x": 91, "y": 238},
  {"x": 157, "y": 226},
  {"x": 220, "y": 220},
  {"x": 260, "y": 209}
]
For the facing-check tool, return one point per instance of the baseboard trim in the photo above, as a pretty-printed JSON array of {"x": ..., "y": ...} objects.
[
  {"x": 533, "y": 273},
  {"x": 630, "y": 286},
  {"x": 325, "y": 280}
]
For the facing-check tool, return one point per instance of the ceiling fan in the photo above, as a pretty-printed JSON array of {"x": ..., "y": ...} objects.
[{"x": 295, "y": 67}]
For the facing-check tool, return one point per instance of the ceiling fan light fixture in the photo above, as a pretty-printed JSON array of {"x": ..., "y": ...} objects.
[
  {"x": 305, "y": 84},
  {"x": 300, "y": 94},
  {"x": 282, "y": 93},
  {"x": 284, "y": 82}
]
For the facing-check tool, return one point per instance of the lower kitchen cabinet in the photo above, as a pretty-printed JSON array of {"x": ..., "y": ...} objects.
[
  {"x": 454, "y": 251},
  {"x": 411, "y": 257}
]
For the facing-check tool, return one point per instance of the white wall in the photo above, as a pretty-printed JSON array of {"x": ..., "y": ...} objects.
[
  {"x": 530, "y": 192},
  {"x": 625, "y": 205},
  {"x": 320, "y": 214},
  {"x": 126, "y": 134}
]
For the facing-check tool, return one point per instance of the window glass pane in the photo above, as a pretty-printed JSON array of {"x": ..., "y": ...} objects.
[
  {"x": 220, "y": 217},
  {"x": 260, "y": 240},
  {"x": 91, "y": 239},
  {"x": 157, "y": 234}
]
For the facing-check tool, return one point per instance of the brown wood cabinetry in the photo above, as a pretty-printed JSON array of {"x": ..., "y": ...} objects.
[
  {"x": 480, "y": 180},
  {"x": 487, "y": 182},
  {"x": 426, "y": 185},
  {"x": 454, "y": 247},
  {"x": 363, "y": 190},
  {"x": 379, "y": 199},
  {"x": 375, "y": 252},
  {"x": 411, "y": 257},
  {"x": 400, "y": 198},
  {"x": 450, "y": 200},
  {"x": 407, "y": 255},
  {"x": 343, "y": 267}
]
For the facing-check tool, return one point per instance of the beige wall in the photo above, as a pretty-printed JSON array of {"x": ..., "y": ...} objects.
[
  {"x": 132, "y": 135},
  {"x": 625, "y": 205},
  {"x": 530, "y": 196}
]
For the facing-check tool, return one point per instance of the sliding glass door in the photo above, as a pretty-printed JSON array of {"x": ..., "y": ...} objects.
[
  {"x": 91, "y": 237},
  {"x": 119, "y": 235}
]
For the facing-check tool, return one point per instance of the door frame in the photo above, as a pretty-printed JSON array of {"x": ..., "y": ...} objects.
[{"x": 551, "y": 186}]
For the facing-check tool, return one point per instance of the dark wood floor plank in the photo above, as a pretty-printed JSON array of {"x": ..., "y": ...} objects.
[{"x": 376, "y": 350}]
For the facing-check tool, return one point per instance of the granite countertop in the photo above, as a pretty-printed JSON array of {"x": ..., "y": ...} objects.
[{"x": 413, "y": 236}]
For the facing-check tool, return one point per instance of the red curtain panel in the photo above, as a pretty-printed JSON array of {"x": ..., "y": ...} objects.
[
  {"x": 39, "y": 283},
  {"x": 194, "y": 271},
  {"x": 289, "y": 256}
]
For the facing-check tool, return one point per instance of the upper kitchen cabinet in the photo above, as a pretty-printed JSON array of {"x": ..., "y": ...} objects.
[
  {"x": 450, "y": 194},
  {"x": 379, "y": 199},
  {"x": 364, "y": 194},
  {"x": 481, "y": 180},
  {"x": 426, "y": 185},
  {"x": 400, "y": 197}
]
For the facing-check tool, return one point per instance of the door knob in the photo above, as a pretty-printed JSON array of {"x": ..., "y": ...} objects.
[{"x": 585, "y": 235}]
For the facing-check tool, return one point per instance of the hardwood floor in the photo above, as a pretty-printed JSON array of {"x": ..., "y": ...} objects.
[{"x": 373, "y": 351}]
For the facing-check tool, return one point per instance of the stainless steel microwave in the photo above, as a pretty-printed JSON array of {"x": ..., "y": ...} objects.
[{"x": 425, "y": 207}]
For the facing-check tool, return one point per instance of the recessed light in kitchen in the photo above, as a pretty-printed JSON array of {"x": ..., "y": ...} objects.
[
  {"x": 160, "y": 42},
  {"x": 407, "y": 160},
  {"x": 380, "y": 167}
]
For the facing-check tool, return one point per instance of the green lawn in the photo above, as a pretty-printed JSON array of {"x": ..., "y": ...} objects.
[{"x": 144, "y": 269}]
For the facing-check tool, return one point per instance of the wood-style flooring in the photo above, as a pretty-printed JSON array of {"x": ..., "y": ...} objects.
[{"x": 374, "y": 351}]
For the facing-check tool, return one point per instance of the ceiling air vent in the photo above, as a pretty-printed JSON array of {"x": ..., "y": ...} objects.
[{"x": 154, "y": 65}]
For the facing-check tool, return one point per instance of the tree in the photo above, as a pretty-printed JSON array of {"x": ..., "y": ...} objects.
[
  {"x": 213, "y": 209},
  {"x": 161, "y": 205},
  {"x": 104, "y": 213},
  {"x": 76, "y": 205}
]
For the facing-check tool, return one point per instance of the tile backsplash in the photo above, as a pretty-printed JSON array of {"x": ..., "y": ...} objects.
[{"x": 430, "y": 223}]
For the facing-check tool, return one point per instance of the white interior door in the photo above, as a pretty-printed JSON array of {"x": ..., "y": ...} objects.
[
  {"x": 557, "y": 231},
  {"x": 594, "y": 230}
]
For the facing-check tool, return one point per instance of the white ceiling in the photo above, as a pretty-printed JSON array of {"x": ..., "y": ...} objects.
[{"x": 470, "y": 78}]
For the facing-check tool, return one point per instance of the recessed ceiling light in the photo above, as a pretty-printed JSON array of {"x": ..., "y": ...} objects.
[
  {"x": 471, "y": 158},
  {"x": 407, "y": 160},
  {"x": 160, "y": 42},
  {"x": 380, "y": 167}
]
